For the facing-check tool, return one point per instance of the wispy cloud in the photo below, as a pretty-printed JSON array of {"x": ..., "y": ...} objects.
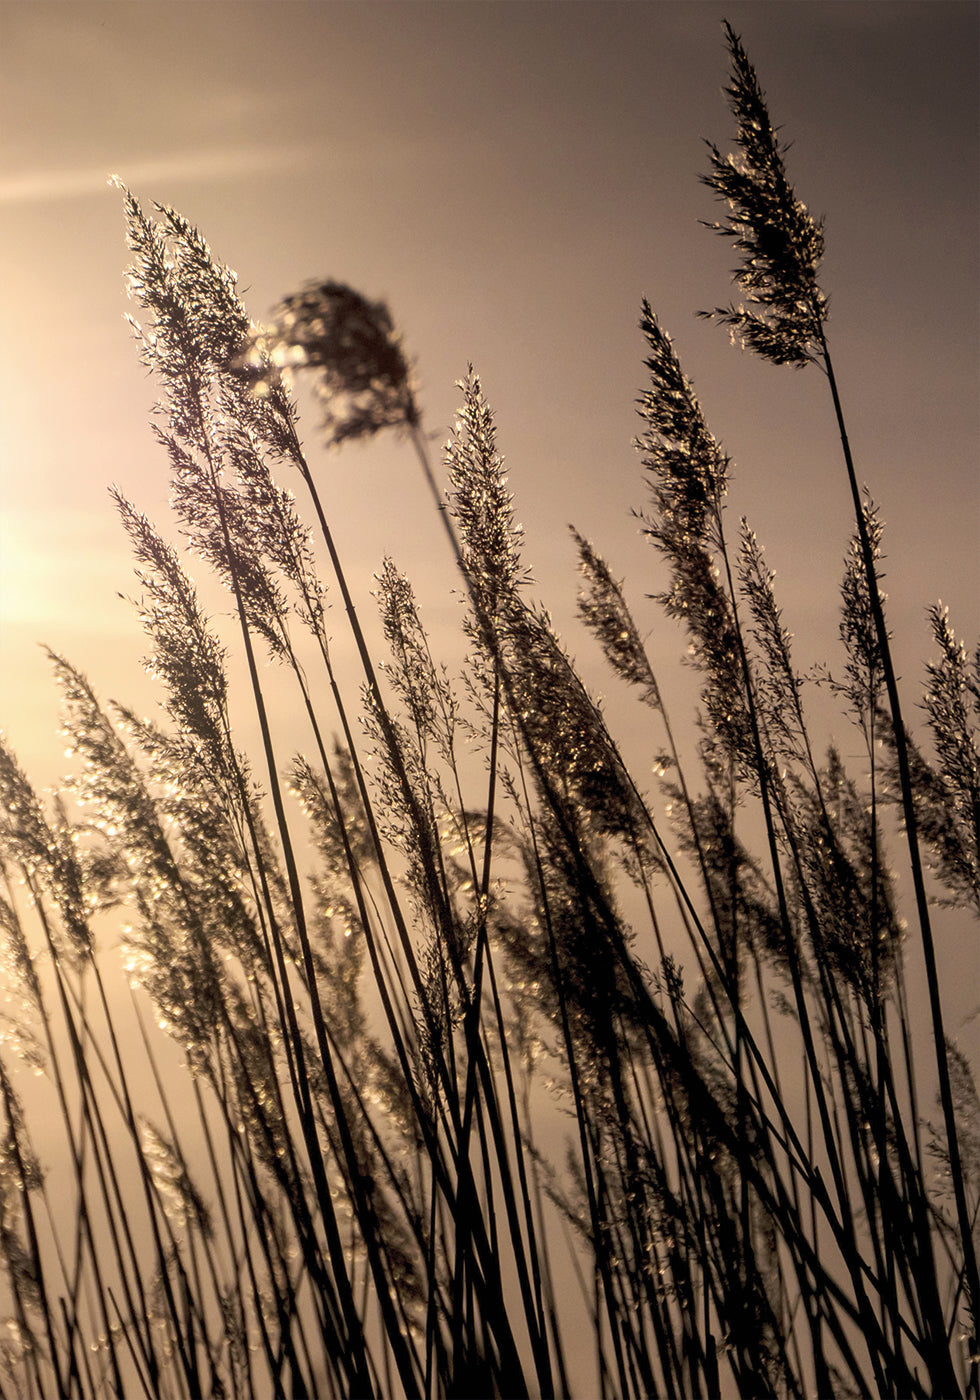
[{"x": 213, "y": 163}]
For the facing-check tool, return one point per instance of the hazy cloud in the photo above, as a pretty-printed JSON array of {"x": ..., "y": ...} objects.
[{"x": 38, "y": 186}]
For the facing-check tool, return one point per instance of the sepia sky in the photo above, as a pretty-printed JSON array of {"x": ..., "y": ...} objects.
[{"x": 513, "y": 178}]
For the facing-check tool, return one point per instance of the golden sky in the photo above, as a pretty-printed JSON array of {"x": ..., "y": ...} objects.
[{"x": 513, "y": 178}]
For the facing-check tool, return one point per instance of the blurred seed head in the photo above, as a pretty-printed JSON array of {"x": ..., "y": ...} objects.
[{"x": 362, "y": 377}]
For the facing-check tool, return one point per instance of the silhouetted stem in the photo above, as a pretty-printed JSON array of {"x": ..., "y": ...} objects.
[{"x": 970, "y": 1268}]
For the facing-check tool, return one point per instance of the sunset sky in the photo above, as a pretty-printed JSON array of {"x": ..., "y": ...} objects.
[{"x": 513, "y": 178}]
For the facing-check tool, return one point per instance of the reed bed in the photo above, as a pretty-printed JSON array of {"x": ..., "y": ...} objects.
[{"x": 306, "y": 1158}]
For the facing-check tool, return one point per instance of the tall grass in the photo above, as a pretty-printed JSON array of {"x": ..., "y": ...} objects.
[{"x": 342, "y": 1186}]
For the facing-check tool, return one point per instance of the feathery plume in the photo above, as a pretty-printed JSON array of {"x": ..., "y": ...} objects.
[
  {"x": 361, "y": 376},
  {"x": 778, "y": 241}
]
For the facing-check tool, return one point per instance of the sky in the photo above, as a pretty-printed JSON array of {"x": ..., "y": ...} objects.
[{"x": 513, "y": 178}]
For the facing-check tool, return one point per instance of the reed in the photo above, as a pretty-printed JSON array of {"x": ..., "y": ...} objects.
[{"x": 304, "y": 1159}]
